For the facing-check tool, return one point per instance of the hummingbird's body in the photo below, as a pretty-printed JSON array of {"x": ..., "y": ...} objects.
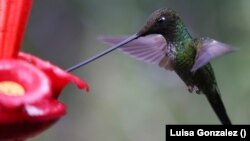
[
  {"x": 182, "y": 54},
  {"x": 164, "y": 40},
  {"x": 203, "y": 80}
]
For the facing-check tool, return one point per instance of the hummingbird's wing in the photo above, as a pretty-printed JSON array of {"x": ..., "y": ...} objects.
[
  {"x": 207, "y": 50},
  {"x": 150, "y": 49}
]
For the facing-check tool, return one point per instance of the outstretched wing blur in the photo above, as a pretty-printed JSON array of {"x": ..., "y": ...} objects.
[
  {"x": 209, "y": 49},
  {"x": 150, "y": 49}
]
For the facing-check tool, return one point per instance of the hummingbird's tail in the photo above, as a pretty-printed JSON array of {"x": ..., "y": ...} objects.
[{"x": 218, "y": 107}]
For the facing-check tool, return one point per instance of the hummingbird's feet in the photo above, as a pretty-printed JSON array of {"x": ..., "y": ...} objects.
[{"x": 192, "y": 88}]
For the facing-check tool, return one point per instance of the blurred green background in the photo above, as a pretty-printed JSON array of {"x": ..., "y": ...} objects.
[{"x": 130, "y": 100}]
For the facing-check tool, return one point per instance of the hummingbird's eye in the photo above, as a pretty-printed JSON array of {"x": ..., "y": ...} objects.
[{"x": 161, "y": 20}]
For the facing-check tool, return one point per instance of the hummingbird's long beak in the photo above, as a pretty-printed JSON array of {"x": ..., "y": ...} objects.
[{"x": 129, "y": 39}]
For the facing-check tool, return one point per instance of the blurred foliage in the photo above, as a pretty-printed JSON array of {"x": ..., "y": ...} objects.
[{"x": 131, "y": 100}]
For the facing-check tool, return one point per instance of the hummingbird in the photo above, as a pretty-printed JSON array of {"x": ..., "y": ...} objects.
[{"x": 164, "y": 40}]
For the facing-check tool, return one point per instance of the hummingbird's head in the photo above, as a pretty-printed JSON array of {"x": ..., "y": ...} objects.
[{"x": 162, "y": 21}]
